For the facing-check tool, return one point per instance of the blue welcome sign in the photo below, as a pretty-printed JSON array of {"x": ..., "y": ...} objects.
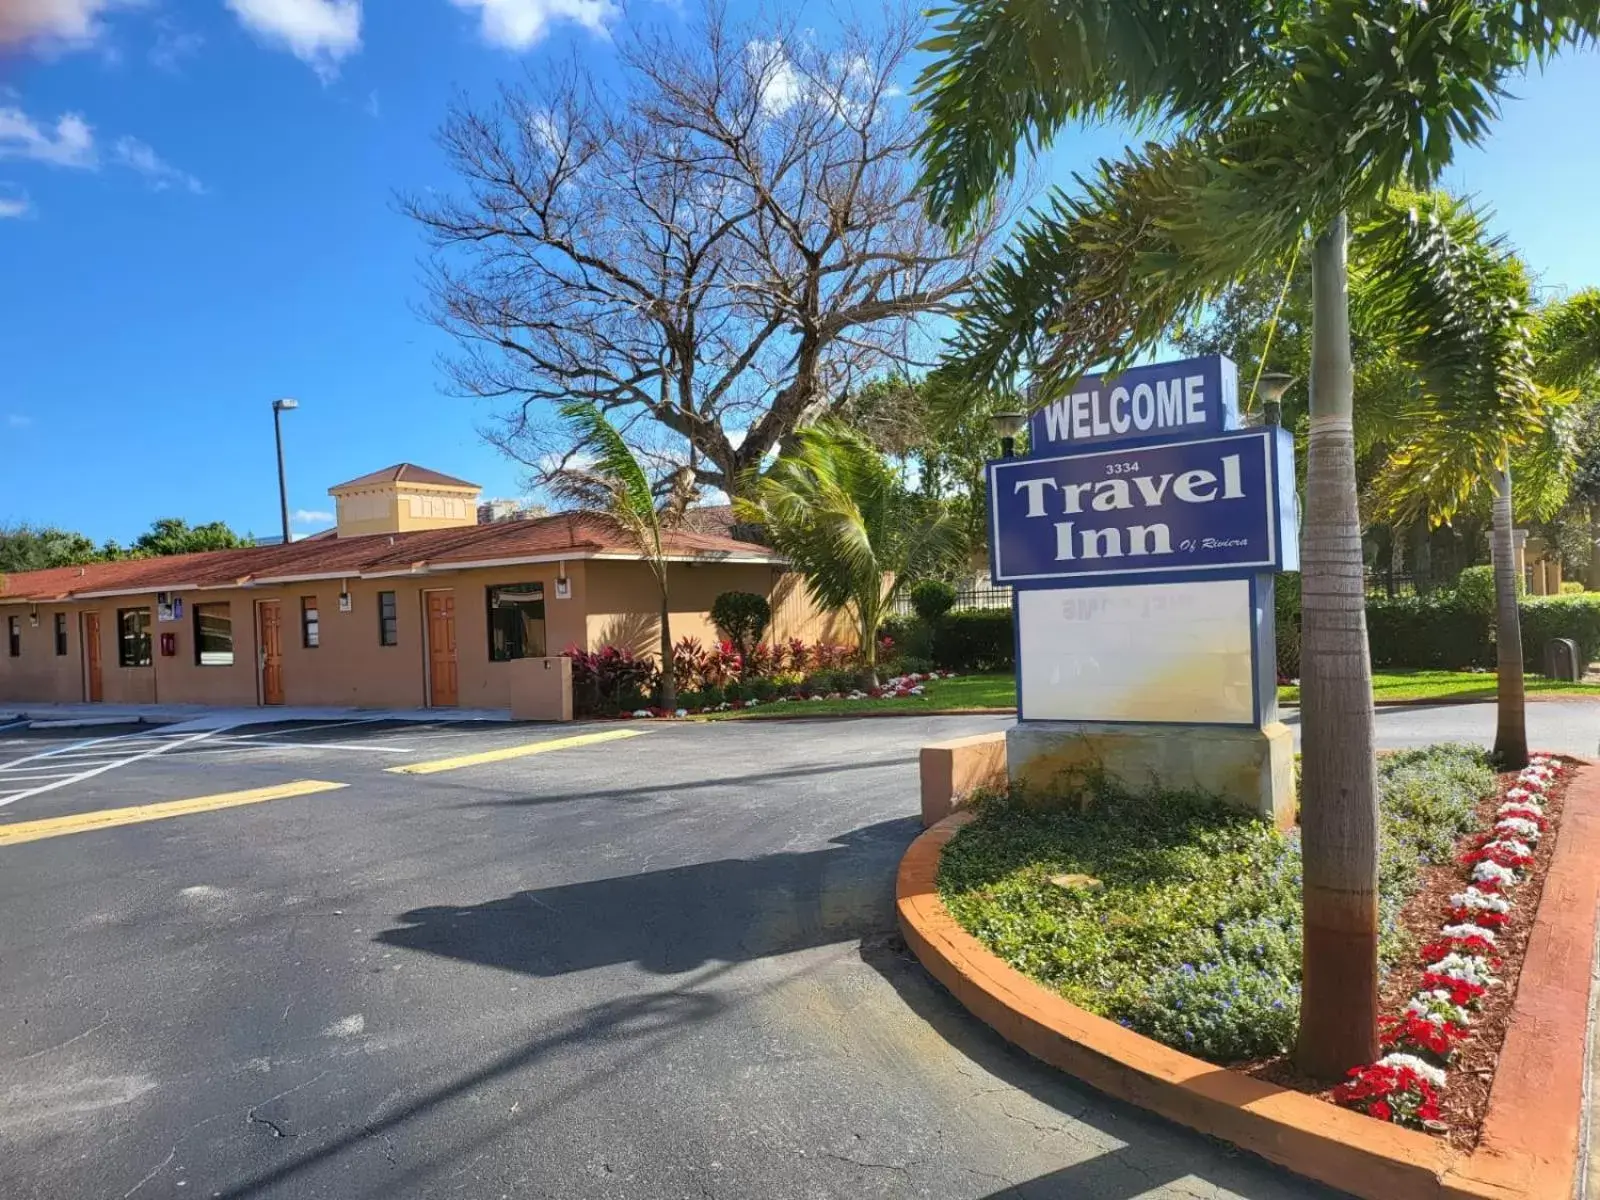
[
  {"x": 1166, "y": 401},
  {"x": 1220, "y": 506}
]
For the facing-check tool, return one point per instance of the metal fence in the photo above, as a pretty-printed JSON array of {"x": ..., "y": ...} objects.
[
  {"x": 985, "y": 596},
  {"x": 1391, "y": 583}
]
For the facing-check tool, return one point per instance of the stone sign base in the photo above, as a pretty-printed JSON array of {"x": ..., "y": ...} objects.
[{"x": 1253, "y": 768}]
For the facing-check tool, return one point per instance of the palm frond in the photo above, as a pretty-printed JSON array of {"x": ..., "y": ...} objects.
[
  {"x": 611, "y": 483},
  {"x": 1015, "y": 71},
  {"x": 1568, "y": 347}
]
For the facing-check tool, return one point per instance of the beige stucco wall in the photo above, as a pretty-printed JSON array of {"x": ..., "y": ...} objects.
[
  {"x": 611, "y": 602},
  {"x": 389, "y": 508}
]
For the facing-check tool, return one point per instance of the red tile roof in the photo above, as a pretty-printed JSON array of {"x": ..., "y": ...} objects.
[
  {"x": 570, "y": 535},
  {"x": 405, "y": 473}
]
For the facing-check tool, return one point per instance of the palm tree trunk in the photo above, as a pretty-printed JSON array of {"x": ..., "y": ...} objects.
[
  {"x": 1339, "y": 789},
  {"x": 669, "y": 676},
  {"x": 1511, "y": 727}
]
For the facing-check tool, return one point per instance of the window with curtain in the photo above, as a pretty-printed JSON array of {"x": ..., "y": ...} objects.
[
  {"x": 516, "y": 621},
  {"x": 133, "y": 637},
  {"x": 213, "y": 635}
]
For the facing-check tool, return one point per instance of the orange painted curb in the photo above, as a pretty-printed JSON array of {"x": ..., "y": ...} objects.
[{"x": 1529, "y": 1148}]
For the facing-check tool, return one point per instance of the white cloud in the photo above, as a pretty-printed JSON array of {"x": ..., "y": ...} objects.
[
  {"x": 172, "y": 46},
  {"x": 60, "y": 22},
  {"x": 138, "y": 156},
  {"x": 18, "y": 420},
  {"x": 311, "y": 516},
  {"x": 13, "y": 202},
  {"x": 71, "y": 144},
  {"x": 781, "y": 85},
  {"x": 519, "y": 24},
  {"x": 318, "y": 32},
  {"x": 372, "y": 108}
]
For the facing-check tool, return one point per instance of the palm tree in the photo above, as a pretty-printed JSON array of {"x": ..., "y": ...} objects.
[
  {"x": 610, "y": 482},
  {"x": 835, "y": 509},
  {"x": 1568, "y": 352},
  {"x": 1282, "y": 117}
]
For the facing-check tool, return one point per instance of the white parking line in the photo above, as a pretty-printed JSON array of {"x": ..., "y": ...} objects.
[{"x": 164, "y": 744}]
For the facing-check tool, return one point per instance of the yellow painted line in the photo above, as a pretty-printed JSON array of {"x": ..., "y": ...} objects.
[
  {"x": 522, "y": 751},
  {"x": 107, "y": 818}
]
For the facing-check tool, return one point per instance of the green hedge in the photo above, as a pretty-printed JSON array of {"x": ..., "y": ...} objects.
[
  {"x": 1438, "y": 632},
  {"x": 969, "y": 640},
  {"x": 1575, "y": 616}
]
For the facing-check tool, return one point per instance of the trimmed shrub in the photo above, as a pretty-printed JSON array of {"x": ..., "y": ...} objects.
[
  {"x": 932, "y": 598},
  {"x": 1475, "y": 589},
  {"x": 1570, "y": 616},
  {"x": 1437, "y": 632},
  {"x": 980, "y": 639},
  {"x": 1571, "y": 587},
  {"x": 1286, "y": 623},
  {"x": 743, "y": 617}
]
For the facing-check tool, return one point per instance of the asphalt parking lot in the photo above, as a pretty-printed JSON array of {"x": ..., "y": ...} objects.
[{"x": 657, "y": 965}]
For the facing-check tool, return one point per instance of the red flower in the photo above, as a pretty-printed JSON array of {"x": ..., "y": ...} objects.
[
  {"x": 1462, "y": 993},
  {"x": 1499, "y": 855},
  {"x": 1412, "y": 1033},
  {"x": 1434, "y": 951},
  {"x": 1474, "y": 916},
  {"x": 1380, "y": 1110}
]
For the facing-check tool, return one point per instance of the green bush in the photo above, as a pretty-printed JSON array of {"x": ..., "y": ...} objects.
[
  {"x": 1437, "y": 632},
  {"x": 932, "y": 598},
  {"x": 1286, "y": 622},
  {"x": 1571, "y": 616},
  {"x": 1193, "y": 935},
  {"x": 742, "y": 617},
  {"x": 980, "y": 639},
  {"x": 1475, "y": 590},
  {"x": 1571, "y": 587}
]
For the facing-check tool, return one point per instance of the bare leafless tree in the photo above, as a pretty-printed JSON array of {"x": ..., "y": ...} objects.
[{"x": 713, "y": 248}]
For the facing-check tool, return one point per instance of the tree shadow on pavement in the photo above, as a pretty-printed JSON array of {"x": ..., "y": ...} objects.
[
  {"x": 673, "y": 920},
  {"x": 1155, "y": 1153}
]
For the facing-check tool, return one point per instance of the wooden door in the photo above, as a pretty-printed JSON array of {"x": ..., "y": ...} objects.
[
  {"x": 91, "y": 654},
  {"x": 442, "y": 683},
  {"x": 269, "y": 617}
]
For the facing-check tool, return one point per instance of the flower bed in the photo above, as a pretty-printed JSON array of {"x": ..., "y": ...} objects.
[
  {"x": 901, "y": 687},
  {"x": 1181, "y": 919},
  {"x": 1449, "y": 1008}
]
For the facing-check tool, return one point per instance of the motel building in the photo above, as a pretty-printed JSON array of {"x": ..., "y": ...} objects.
[{"x": 408, "y": 602}]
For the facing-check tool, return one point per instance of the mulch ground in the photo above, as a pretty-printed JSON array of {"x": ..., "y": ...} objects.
[{"x": 1466, "y": 1097}]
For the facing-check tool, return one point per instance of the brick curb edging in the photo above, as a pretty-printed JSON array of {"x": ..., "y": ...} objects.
[{"x": 1529, "y": 1147}]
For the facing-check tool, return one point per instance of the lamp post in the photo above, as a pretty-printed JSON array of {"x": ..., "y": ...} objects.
[
  {"x": 1006, "y": 426},
  {"x": 1270, "y": 388},
  {"x": 279, "y": 407}
]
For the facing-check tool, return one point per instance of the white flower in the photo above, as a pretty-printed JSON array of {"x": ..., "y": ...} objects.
[
  {"x": 1519, "y": 806},
  {"x": 682, "y": 712},
  {"x": 1427, "y": 1070},
  {"x": 1478, "y": 901},
  {"x": 1519, "y": 794},
  {"x": 1517, "y": 827},
  {"x": 1509, "y": 844},
  {"x": 641, "y": 712},
  {"x": 1466, "y": 931},
  {"x": 1435, "y": 1006},
  {"x": 1469, "y": 968},
  {"x": 1488, "y": 872}
]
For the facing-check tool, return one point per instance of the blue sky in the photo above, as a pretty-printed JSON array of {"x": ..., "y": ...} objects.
[{"x": 196, "y": 216}]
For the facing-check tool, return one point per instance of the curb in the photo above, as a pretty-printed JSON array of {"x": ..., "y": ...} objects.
[
  {"x": 856, "y": 716},
  {"x": 1529, "y": 1148}
]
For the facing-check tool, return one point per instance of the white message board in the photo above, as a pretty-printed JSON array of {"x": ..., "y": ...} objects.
[{"x": 1142, "y": 652}]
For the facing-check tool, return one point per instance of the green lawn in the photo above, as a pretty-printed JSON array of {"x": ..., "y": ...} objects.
[
  {"x": 1416, "y": 686},
  {"x": 999, "y": 691},
  {"x": 964, "y": 691}
]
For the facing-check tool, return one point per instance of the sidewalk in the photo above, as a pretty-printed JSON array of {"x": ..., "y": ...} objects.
[{"x": 200, "y": 716}]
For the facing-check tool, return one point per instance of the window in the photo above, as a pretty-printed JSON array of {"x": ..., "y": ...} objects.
[
  {"x": 388, "y": 623},
  {"x": 14, "y": 635},
  {"x": 213, "y": 635},
  {"x": 133, "y": 637},
  {"x": 310, "y": 624},
  {"x": 61, "y": 634},
  {"x": 516, "y": 621}
]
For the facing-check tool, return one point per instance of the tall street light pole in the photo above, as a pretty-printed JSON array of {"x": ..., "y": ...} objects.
[{"x": 279, "y": 407}]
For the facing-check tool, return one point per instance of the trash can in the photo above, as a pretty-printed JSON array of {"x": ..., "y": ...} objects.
[{"x": 1561, "y": 659}]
